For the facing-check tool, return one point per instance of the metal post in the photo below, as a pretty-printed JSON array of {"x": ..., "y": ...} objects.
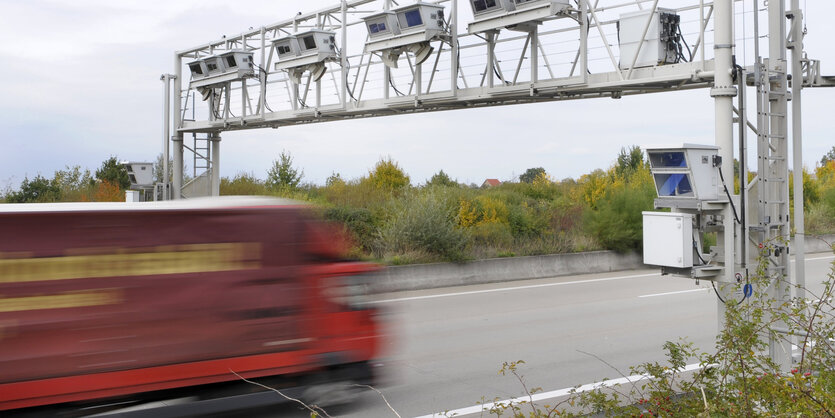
[
  {"x": 386, "y": 69},
  {"x": 215, "y": 139},
  {"x": 166, "y": 128},
  {"x": 418, "y": 80},
  {"x": 491, "y": 57},
  {"x": 262, "y": 101},
  {"x": 723, "y": 93},
  {"x": 702, "y": 31},
  {"x": 177, "y": 181},
  {"x": 534, "y": 57},
  {"x": 797, "y": 149},
  {"x": 453, "y": 28},
  {"x": 344, "y": 50},
  {"x": 584, "y": 41}
]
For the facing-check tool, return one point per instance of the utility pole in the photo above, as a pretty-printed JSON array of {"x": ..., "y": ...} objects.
[
  {"x": 166, "y": 129},
  {"x": 723, "y": 93},
  {"x": 177, "y": 186}
]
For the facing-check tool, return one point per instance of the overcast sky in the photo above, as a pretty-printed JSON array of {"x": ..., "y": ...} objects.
[{"x": 80, "y": 82}]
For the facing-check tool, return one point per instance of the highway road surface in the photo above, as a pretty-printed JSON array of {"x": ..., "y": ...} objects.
[{"x": 448, "y": 344}]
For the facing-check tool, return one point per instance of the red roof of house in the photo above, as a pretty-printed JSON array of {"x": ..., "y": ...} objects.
[{"x": 493, "y": 182}]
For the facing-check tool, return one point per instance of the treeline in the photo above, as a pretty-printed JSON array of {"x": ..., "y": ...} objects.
[
  {"x": 391, "y": 220},
  {"x": 74, "y": 184},
  {"x": 442, "y": 220}
]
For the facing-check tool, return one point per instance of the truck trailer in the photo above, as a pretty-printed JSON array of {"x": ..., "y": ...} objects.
[{"x": 107, "y": 302}]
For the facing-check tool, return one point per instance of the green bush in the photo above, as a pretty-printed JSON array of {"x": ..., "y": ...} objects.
[
  {"x": 820, "y": 216},
  {"x": 566, "y": 214},
  {"x": 359, "y": 222},
  {"x": 492, "y": 234},
  {"x": 828, "y": 201},
  {"x": 618, "y": 222},
  {"x": 37, "y": 190},
  {"x": 528, "y": 220},
  {"x": 243, "y": 184},
  {"x": 423, "y": 223},
  {"x": 441, "y": 179}
]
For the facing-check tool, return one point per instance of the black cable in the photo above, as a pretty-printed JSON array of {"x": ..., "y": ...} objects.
[
  {"x": 698, "y": 252},
  {"x": 681, "y": 36},
  {"x": 348, "y": 70},
  {"x": 391, "y": 82},
  {"x": 263, "y": 71},
  {"x": 712, "y": 283},
  {"x": 744, "y": 297},
  {"x": 496, "y": 71},
  {"x": 725, "y": 186}
]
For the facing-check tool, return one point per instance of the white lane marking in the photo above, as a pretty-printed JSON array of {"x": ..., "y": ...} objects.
[
  {"x": 549, "y": 395},
  {"x": 508, "y": 289},
  {"x": 674, "y": 293}
]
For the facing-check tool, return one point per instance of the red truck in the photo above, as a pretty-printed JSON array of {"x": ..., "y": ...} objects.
[{"x": 103, "y": 302}]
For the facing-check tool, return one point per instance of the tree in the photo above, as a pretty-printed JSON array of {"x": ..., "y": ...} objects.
[
  {"x": 107, "y": 191},
  {"x": 442, "y": 179},
  {"x": 37, "y": 190},
  {"x": 75, "y": 184},
  {"x": 282, "y": 175},
  {"x": 334, "y": 179},
  {"x": 113, "y": 172},
  {"x": 531, "y": 174},
  {"x": 159, "y": 169},
  {"x": 829, "y": 156},
  {"x": 629, "y": 161},
  {"x": 388, "y": 175}
]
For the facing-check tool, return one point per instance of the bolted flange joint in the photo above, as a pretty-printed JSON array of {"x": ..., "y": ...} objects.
[{"x": 723, "y": 91}]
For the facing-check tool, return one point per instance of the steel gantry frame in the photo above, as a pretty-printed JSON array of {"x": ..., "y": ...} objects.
[{"x": 566, "y": 56}]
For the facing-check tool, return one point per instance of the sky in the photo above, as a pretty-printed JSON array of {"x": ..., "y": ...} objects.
[{"x": 81, "y": 84}]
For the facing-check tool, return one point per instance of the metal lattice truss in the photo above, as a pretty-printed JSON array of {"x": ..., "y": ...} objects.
[{"x": 572, "y": 54}]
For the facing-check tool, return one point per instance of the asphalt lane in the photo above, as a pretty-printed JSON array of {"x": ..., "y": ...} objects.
[{"x": 446, "y": 346}]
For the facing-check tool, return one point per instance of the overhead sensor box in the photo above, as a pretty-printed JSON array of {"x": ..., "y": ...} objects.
[
  {"x": 306, "y": 48},
  {"x": 405, "y": 26},
  {"x": 493, "y": 15},
  {"x": 198, "y": 69},
  {"x": 237, "y": 61},
  {"x": 141, "y": 174},
  {"x": 662, "y": 44},
  {"x": 685, "y": 175},
  {"x": 382, "y": 25},
  {"x": 219, "y": 69}
]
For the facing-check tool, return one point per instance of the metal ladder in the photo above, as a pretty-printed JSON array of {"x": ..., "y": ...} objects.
[
  {"x": 772, "y": 162},
  {"x": 201, "y": 150}
]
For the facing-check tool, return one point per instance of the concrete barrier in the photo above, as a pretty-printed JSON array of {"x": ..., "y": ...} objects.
[
  {"x": 428, "y": 276},
  {"x": 819, "y": 244}
]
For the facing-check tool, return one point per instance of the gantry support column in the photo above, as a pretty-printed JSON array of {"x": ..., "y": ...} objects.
[
  {"x": 177, "y": 139},
  {"x": 215, "y": 140},
  {"x": 796, "y": 46},
  {"x": 723, "y": 93}
]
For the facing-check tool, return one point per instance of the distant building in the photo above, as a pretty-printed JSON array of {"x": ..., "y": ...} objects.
[{"x": 491, "y": 183}]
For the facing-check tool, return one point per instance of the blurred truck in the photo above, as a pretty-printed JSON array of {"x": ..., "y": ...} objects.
[{"x": 105, "y": 302}]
